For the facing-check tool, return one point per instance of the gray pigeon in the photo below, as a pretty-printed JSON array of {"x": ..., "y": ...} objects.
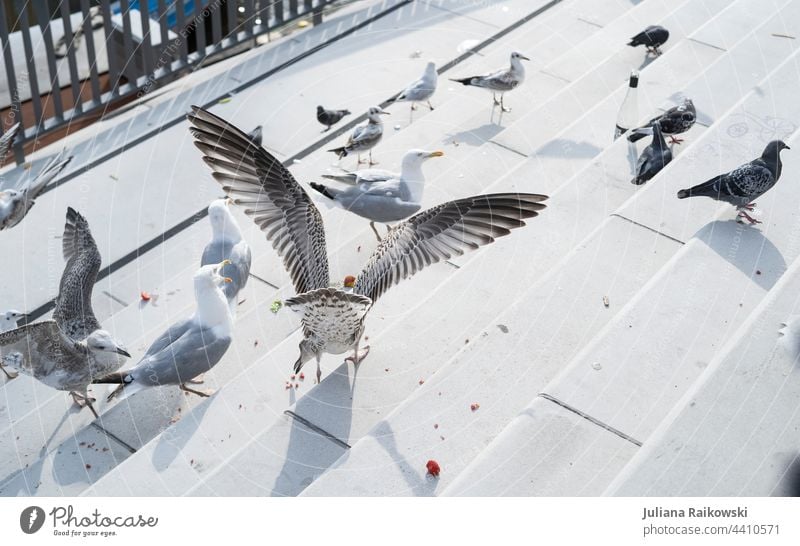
[
  {"x": 330, "y": 117},
  {"x": 744, "y": 184},
  {"x": 653, "y": 37},
  {"x": 674, "y": 121},
  {"x": 654, "y": 158}
]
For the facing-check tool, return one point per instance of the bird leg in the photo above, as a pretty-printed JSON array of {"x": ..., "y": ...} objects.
[
  {"x": 328, "y": 128},
  {"x": 204, "y": 394},
  {"x": 413, "y": 105},
  {"x": 83, "y": 400},
  {"x": 319, "y": 370},
  {"x": 199, "y": 380},
  {"x": 749, "y": 206},
  {"x": 430, "y": 106},
  {"x": 502, "y": 106},
  {"x": 358, "y": 356},
  {"x": 378, "y": 235},
  {"x": 371, "y": 163},
  {"x": 494, "y": 99},
  {"x": 743, "y": 214},
  {"x": 673, "y": 140},
  {"x": 359, "y": 162}
]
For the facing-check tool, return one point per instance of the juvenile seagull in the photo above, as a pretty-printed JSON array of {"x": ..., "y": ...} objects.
[
  {"x": 187, "y": 349},
  {"x": 332, "y": 318},
  {"x": 654, "y": 158},
  {"x": 330, "y": 117},
  {"x": 364, "y": 137},
  {"x": 744, "y": 184},
  {"x": 8, "y": 320},
  {"x": 15, "y": 204},
  {"x": 653, "y": 37},
  {"x": 381, "y": 196},
  {"x": 227, "y": 244},
  {"x": 501, "y": 81},
  {"x": 674, "y": 121},
  {"x": 70, "y": 350},
  {"x": 422, "y": 89},
  {"x": 6, "y": 140}
]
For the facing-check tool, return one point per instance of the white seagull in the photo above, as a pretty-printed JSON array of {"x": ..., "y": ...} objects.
[
  {"x": 364, "y": 137},
  {"x": 421, "y": 90},
  {"x": 332, "y": 318},
  {"x": 500, "y": 81},
  {"x": 379, "y": 195}
]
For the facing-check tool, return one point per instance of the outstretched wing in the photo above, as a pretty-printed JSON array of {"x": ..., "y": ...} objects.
[
  {"x": 7, "y": 139},
  {"x": 73, "y": 312},
  {"x": 52, "y": 169},
  {"x": 42, "y": 345},
  {"x": 270, "y": 194},
  {"x": 440, "y": 232}
]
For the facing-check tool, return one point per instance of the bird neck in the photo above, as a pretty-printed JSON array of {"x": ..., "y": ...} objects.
[
  {"x": 228, "y": 231},
  {"x": 212, "y": 308},
  {"x": 375, "y": 119},
  {"x": 517, "y": 67},
  {"x": 411, "y": 174},
  {"x": 430, "y": 72}
]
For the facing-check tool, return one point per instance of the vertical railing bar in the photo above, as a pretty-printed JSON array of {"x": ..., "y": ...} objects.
[
  {"x": 277, "y": 9},
  {"x": 146, "y": 46},
  {"x": 128, "y": 53},
  {"x": 230, "y": 8},
  {"x": 43, "y": 17},
  {"x": 164, "y": 27},
  {"x": 308, "y": 6},
  {"x": 200, "y": 28},
  {"x": 69, "y": 42},
  {"x": 180, "y": 25},
  {"x": 263, "y": 15},
  {"x": 216, "y": 25},
  {"x": 249, "y": 16},
  {"x": 292, "y": 8},
  {"x": 91, "y": 53},
  {"x": 114, "y": 71},
  {"x": 33, "y": 80},
  {"x": 10, "y": 73}
]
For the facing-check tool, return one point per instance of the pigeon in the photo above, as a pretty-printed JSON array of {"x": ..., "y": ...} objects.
[
  {"x": 70, "y": 350},
  {"x": 330, "y": 117},
  {"x": 227, "y": 244},
  {"x": 654, "y": 158},
  {"x": 7, "y": 140},
  {"x": 256, "y": 135},
  {"x": 15, "y": 204},
  {"x": 9, "y": 319},
  {"x": 422, "y": 89},
  {"x": 500, "y": 81},
  {"x": 364, "y": 137},
  {"x": 188, "y": 348},
  {"x": 744, "y": 184},
  {"x": 381, "y": 196},
  {"x": 674, "y": 121},
  {"x": 653, "y": 37},
  {"x": 332, "y": 318}
]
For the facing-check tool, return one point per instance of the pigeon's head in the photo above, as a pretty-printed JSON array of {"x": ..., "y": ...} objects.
[
  {"x": 375, "y": 112},
  {"x": 223, "y": 224},
  {"x": 320, "y": 109},
  {"x": 101, "y": 341},
  {"x": 774, "y": 148},
  {"x": 517, "y": 56},
  {"x": 414, "y": 158}
]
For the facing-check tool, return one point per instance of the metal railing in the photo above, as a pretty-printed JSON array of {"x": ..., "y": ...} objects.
[{"x": 68, "y": 61}]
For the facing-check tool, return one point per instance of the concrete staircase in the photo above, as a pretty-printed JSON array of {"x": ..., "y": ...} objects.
[{"x": 557, "y": 373}]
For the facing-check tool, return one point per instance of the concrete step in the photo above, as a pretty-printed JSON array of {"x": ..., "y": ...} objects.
[
  {"x": 735, "y": 432},
  {"x": 628, "y": 378}
]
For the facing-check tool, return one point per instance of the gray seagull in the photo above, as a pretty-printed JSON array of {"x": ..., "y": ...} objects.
[
  {"x": 744, "y": 184},
  {"x": 500, "y": 81},
  {"x": 422, "y": 89},
  {"x": 364, "y": 137},
  {"x": 333, "y": 318},
  {"x": 654, "y": 158},
  {"x": 187, "y": 349},
  {"x": 379, "y": 195},
  {"x": 227, "y": 243},
  {"x": 70, "y": 350}
]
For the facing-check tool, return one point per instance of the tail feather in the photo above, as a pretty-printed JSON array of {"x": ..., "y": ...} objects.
[
  {"x": 341, "y": 152},
  {"x": 463, "y": 81},
  {"x": 112, "y": 378},
  {"x": 49, "y": 172},
  {"x": 635, "y": 136},
  {"x": 330, "y": 193},
  {"x": 683, "y": 194}
]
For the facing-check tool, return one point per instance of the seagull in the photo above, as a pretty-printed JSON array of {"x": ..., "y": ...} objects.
[
  {"x": 70, "y": 350},
  {"x": 422, "y": 89},
  {"x": 7, "y": 140},
  {"x": 256, "y": 135},
  {"x": 744, "y": 184},
  {"x": 500, "y": 81},
  {"x": 364, "y": 137},
  {"x": 227, "y": 244},
  {"x": 654, "y": 158},
  {"x": 674, "y": 121},
  {"x": 15, "y": 204},
  {"x": 332, "y": 318},
  {"x": 653, "y": 37},
  {"x": 9, "y": 319},
  {"x": 330, "y": 117},
  {"x": 188, "y": 348},
  {"x": 381, "y": 196}
]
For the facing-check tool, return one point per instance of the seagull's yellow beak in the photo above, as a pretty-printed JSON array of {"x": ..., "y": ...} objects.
[{"x": 437, "y": 153}]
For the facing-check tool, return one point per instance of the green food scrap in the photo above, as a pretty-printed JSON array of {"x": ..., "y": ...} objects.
[{"x": 276, "y": 306}]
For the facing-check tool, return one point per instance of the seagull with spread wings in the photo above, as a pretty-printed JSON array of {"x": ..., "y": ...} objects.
[{"x": 333, "y": 318}]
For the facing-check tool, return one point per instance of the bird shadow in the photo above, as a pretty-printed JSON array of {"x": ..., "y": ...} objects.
[
  {"x": 172, "y": 440},
  {"x": 648, "y": 58},
  {"x": 420, "y": 486},
  {"x": 330, "y": 406},
  {"x": 789, "y": 485},
  {"x": 474, "y": 137},
  {"x": 747, "y": 249},
  {"x": 566, "y": 148}
]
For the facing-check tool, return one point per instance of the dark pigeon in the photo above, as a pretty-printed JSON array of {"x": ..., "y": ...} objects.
[
  {"x": 330, "y": 117},
  {"x": 654, "y": 158},
  {"x": 674, "y": 121},
  {"x": 744, "y": 184},
  {"x": 255, "y": 136},
  {"x": 653, "y": 37}
]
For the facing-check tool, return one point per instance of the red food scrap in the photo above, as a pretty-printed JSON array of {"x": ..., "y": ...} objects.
[
  {"x": 433, "y": 468},
  {"x": 474, "y": 406},
  {"x": 145, "y": 296},
  {"x": 302, "y": 376},
  {"x": 292, "y": 377},
  {"x": 436, "y": 425},
  {"x": 421, "y": 381}
]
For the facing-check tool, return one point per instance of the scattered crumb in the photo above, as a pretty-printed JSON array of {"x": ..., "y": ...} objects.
[
  {"x": 433, "y": 468},
  {"x": 466, "y": 341},
  {"x": 474, "y": 406},
  {"x": 145, "y": 296},
  {"x": 302, "y": 376},
  {"x": 421, "y": 381},
  {"x": 758, "y": 272},
  {"x": 605, "y": 301},
  {"x": 442, "y": 437},
  {"x": 276, "y": 306},
  {"x": 287, "y": 386},
  {"x": 224, "y": 100},
  {"x": 366, "y": 338},
  {"x": 191, "y": 462},
  {"x": 113, "y": 177},
  {"x": 292, "y": 377},
  {"x": 386, "y": 369},
  {"x": 358, "y": 249},
  {"x": 783, "y": 36},
  {"x": 240, "y": 406},
  {"x": 255, "y": 343},
  {"x": 88, "y": 466},
  {"x": 436, "y": 425},
  {"x": 503, "y": 328}
]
